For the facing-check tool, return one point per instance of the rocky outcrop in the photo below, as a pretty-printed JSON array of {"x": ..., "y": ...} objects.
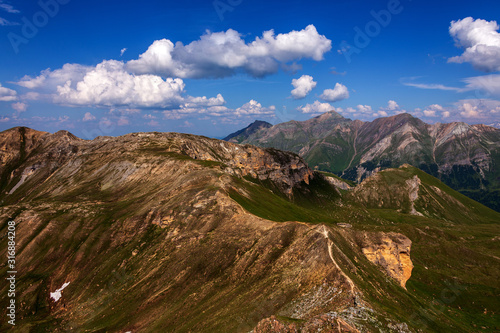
[
  {"x": 329, "y": 322},
  {"x": 273, "y": 325},
  {"x": 338, "y": 183},
  {"x": 390, "y": 251},
  {"x": 391, "y": 188},
  {"x": 413, "y": 185},
  {"x": 284, "y": 169}
]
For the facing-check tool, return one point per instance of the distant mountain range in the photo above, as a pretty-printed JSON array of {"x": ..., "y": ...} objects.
[{"x": 465, "y": 157}]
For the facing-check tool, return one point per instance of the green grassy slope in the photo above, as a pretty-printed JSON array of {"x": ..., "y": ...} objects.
[{"x": 454, "y": 283}]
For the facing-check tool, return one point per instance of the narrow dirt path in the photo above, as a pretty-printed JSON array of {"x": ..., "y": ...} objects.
[{"x": 324, "y": 232}]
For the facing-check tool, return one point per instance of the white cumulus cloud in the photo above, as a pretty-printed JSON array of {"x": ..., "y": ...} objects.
[
  {"x": 434, "y": 110},
  {"x": 49, "y": 79},
  {"x": 203, "y": 101},
  {"x": 254, "y": 108},
  {"x": 222, "y": 54},
  {"x": 316, "y": 107},
  {"x": 20, "y": 107},
  {"x": 88, "y": 117},
  {"x": 108, "y": 84},
  {"x": 392, "y": 105},
  {"x": 338, "y": 93},
  {"x": 364, "y": 108},
  {"x": 251, "y": 108},
  {"x": 481, "y": 43},
  {"x": 469, "y": 111},
  {"x": 7, "y": 95},
  {"x": 303, "y": 86}
]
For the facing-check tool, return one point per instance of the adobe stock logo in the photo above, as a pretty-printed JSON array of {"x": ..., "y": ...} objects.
[
  {"x": 223, "y": 6},
  {"x": 30, "y": 28}
]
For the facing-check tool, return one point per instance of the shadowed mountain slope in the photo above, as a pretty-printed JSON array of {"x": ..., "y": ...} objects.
[{"x": 254, "y": 127}]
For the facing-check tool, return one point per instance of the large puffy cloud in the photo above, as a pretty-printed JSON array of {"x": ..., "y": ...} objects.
[
  {"x": 7, "y": 95},
  {"x": 221, "y": 54},
  {"x": 338, "y": 93},
  {"x": 155, "y": 79},
  {"x": 316, "y": 107},
  {"x": 480, "y": 41},
  {"x": 48, "y": 79},
  {"x": 303, "y": 86},
  {"x": 109, "y": 84}
]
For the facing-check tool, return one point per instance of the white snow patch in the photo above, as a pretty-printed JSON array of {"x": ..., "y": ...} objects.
[{"x": 56, "y": 295}]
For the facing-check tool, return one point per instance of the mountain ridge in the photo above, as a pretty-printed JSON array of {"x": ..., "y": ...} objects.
[{"x": 466, "y": 157}]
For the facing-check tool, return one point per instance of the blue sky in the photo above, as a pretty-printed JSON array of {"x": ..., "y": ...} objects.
[{"x": 212, "y": 67}]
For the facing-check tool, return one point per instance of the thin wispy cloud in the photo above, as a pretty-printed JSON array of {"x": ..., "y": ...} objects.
[
  {"x": 5, "y": 7},
  {"x": 8, "y": 8},
  {"x": 4, "y": 22},
  {"x": 436, "y": 86}
]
